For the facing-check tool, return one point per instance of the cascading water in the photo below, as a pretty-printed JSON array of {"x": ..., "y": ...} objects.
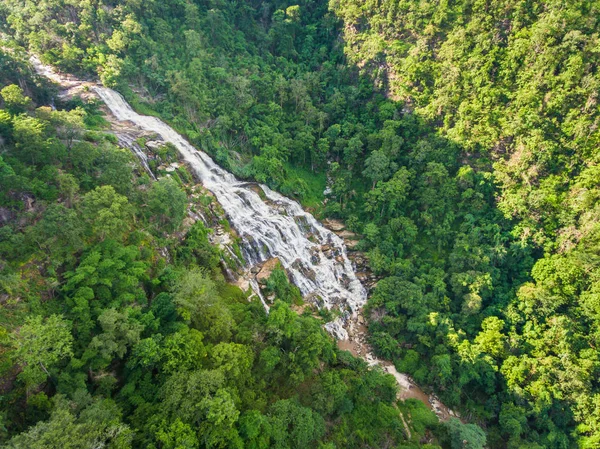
[
  {"x": 129, "y": 141},
  {"x": 314, "y": 257}
]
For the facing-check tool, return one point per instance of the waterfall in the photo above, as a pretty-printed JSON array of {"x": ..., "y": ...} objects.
[
  {"x": 129, "y": 141},
  {"x": 314, "y": 257}
]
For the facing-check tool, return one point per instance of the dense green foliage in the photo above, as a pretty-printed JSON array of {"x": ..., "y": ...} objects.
[
  {"x": 514, "y": 85},
  {"x": 105, "y": 343},
  {"x": 462, "y": 140},
  {"x": 259, "y": 80}
]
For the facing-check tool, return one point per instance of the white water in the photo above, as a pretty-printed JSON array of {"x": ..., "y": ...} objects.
[
  {"x": 278, "y": 227},
  {"x": 129, "y": 141}
]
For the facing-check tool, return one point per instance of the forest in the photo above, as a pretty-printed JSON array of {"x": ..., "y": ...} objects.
[{"x": 458, "y": 138}]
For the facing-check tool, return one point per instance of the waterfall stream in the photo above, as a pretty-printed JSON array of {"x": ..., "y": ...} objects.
[
  {"x": 127, "y": 140},
  {"x": 274, "y": 227},
  {"x": 314, "y": 257}
]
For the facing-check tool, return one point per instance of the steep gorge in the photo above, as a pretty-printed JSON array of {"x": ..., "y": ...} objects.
[{"x": 271, "y": 226}]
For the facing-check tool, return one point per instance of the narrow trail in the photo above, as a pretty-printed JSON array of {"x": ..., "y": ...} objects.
[{"x": 270, "y": 226}]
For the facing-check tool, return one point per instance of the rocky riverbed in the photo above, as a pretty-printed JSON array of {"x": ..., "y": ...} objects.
[{"x": 357, "y": 330}]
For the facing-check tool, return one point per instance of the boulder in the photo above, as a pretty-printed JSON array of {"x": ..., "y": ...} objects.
[
  {"x": 362, "y": 276},
  {"x": 346, "y": 234},
  {"x": 154, "y": 144},
  {"x": 266, "y": 270},
  {"x": 334, "y": 225},
  {"x": 351, "y": 244}
]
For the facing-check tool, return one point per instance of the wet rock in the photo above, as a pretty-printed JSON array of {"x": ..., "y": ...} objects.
[
  {"x": 336, "y": 328},
  {"x": 345, "y": 280},
  {"x": 154, "y": 145},
  {"x": 229, "y": 273},
  {"x": 315, "y": 300},
  {"x": 256, "y": 188},
  {"x": 304, "y": 225},
  {"x": 334, "y": 225},
  {"x": 306, "y": 271},
  {"x": 266, "y": 270}
]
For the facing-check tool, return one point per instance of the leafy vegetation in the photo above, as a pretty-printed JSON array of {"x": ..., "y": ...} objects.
[
  {"x": 507, "y": 327},
  {"x": 118, "y": 329},
  {"x": 458, "y": 138}
]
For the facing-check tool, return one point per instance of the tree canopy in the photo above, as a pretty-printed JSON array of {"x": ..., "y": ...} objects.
[{"x": 457, "y": 139}]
